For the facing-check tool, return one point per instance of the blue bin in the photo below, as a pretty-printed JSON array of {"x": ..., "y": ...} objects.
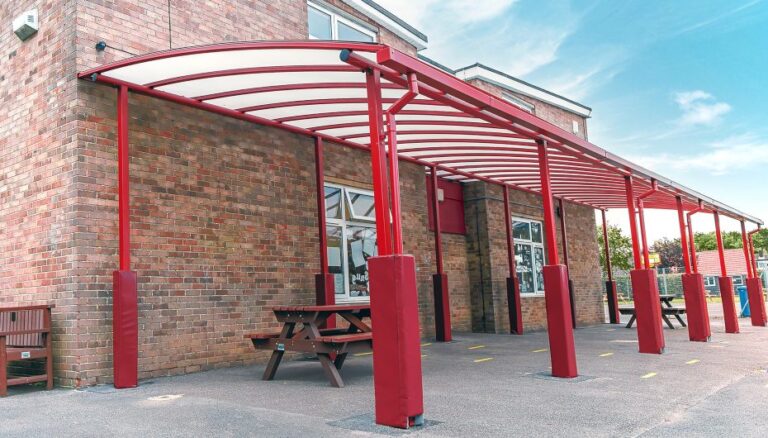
[{"x": 743, "y": 300}]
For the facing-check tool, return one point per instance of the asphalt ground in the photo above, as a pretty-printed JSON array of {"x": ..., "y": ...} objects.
[{"x": 478, "y": 385}]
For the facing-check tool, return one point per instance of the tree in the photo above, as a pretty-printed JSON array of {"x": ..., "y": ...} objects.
[
  {"x": 731, "y": 240},
  {"x": 670, "y": 252},
  {"x": 706, "y": 241},
  {"x": 620, "y": 248}
]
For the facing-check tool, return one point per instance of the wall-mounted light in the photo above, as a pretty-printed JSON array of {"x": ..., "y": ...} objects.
[
  {"x": 26, "y": 25},
  {"x": 100, "y": 46}
]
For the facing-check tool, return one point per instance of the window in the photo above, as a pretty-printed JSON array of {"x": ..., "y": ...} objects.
[
  {"x": 738, "y": 280},
  {"x": 325, "y": 24},
  {"x": 529, "y": 254},
  {"x": 520, "y": 103},
  {"x": 709, "y": 281},
  {"x": 351, "y": 231}
]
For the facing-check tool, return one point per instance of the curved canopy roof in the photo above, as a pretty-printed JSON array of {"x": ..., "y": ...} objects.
[{"x": 318, "y": 88}]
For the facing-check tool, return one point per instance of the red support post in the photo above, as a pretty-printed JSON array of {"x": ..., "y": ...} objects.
[
  {"x": 683, "y": 235},
  {"x": 694, "y": 291},
  {"x": 564, "y": 236},
  {"x": 757, "y": 309},
  {"x": 440, "y": 278},
  {"x": 559, "y": 324},
  {"x": 394, "y": 185},
  {"x": 614, "y": 317},
  {"x": 641, "y": 215},
  {"x": 513, "y": 285},
  {"x": 397, "y": 377},
  {"x": 324, "y": 284},
  {"x": 726, "y": 284},
  {"x": 125, "y": 319},
  {"x": 645, "y": 289}
]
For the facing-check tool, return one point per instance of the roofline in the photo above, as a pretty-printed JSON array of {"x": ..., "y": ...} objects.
[
  {"x": 436, "y": 64},
  {"x": 392, "y": 22},
  {"x": 520, "y": 86}
]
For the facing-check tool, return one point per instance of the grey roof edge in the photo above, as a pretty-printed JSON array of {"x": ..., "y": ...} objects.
[
  {"x": 436, "y": 64},
  {"x": 510, "y": 77},
  {"x": 396, "y": 19}
]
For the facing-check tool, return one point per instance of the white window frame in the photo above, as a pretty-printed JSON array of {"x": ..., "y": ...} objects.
[
  {"x": 344, "y": 222},
  {"x": 536, "y": 292},
  {"x": 738, "y": 280},
  {"x": 337, "y": 18},
  {"x": 709, "y": 281},
  {"x": 520, "y": 103}
]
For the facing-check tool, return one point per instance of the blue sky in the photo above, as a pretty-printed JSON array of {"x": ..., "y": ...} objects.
[{"x": 677, "y": 86}]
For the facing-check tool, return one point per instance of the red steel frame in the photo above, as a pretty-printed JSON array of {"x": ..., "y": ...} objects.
[
  {"x": 614, "y": 317},
  {"x": 745, "y": 246},
  {"x": 691, "y": 238},
  {"x": 564, "y": 236},
  {"x": 641, "y": 215},
  {"x": 726, "y": 283},
  {"x": 440, "y": 279},
  {"x": 513, "y": 285},
  {"x": 324, "y": 284},
  {"x": 693, "y": 287},
  {"x": 758, "y": 314},
  {"x": 632, "y": 221},
  {"x": 683, "y": 236}
]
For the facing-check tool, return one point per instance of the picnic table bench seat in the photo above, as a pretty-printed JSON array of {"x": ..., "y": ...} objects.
[
  {"x": 665, "y": 311},
  {"x": 25, "y": 334}
]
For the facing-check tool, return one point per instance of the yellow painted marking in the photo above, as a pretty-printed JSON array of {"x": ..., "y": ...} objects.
[
  {"x": 423, "y": 356},
  {"x": 476, "y": 347},
  {"x": 693, "y": 361},
  {"x": 426, "y": 344},
  {"x": 606, "y": 354},
  {"x": 717, "y": 346},
  {"x": 364, "y": 354},
  {"x": 624, "y": 341},
  {"x": 485, "y": 359},
  {"x": 647, "y": 376},
  {"x": 541, "y": 350}
]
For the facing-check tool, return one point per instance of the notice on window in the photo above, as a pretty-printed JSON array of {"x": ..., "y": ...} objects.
[
  {"x": 356, "y": 248},
  {"x": 334, "y": 256}
]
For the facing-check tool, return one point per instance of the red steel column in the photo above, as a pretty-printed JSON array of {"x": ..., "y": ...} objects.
[
  {"x": 394, "y": 185},
  {"x": 560, "y": 327},
  {"x": 683, "y": 235},
  {"x": 397, "y": 374},
  {"x": 614, "y": 317},
  {"x": 324, "y": 284},
  {"x": 564, "y": 236},
  {"x": 513, "y": 285},
  {"x": 726, "y": 284},
  {"x": 440, "y": 279},
  {"x": 754, "y": 286},
  {"x": 694, "y": 291},
  {"x": 645, "y": 289},
  {"x": 125, "y": 316}
]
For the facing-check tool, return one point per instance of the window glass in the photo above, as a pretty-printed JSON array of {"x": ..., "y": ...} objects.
[
  {"x": 737, "y": 280},
  {"x": 524, "y": 264},
  {"x": 319, "y": 24},
  {"x": 538, "y": 260},
  {"x": 361, "y": 205},
  {"x": 348, "y": 33},
  {"x": 536, "y": 232},
  {"x": 521, "y": 230},
  {"x": 335, "y": 257},
  {"x": 333, "y": 202},
  {"x": 361, "y": 244}
]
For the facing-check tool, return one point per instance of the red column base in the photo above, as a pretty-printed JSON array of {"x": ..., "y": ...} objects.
[
  {"x": 729, "y": 305},
  {"x": 756, "y": 302},
  {"x": 614, "y": 317},
  {"x": 325, "y": 294},
  {"x": 559, "y": 323},
  {"x": 514, "y": 304},
  {"x": 125, "y": 329},
  {"x": 572, "y": 302},
  {"x": 442, "y": 308},
  {"x": 650, "y": 335},
  {"x": 696, "y": 307},
  {"x": 396, "y": 345}
]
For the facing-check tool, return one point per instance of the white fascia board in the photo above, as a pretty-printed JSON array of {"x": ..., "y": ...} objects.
[
  {"x": 478, "y": 72},
  {"x": 391, "y": 25}
]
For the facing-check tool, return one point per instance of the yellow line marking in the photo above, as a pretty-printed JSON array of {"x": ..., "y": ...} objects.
[
  {"x": 485, "y": 359},
  {"x": 606, "y": 354},
  {"x": 691, "y": 362},
  {"x": 423, "y": 356},
  {"x": 541, "y": 350},
  {"x": 647, "y": 376},
  {"x": 426, "y": 344},
  {"x": 717, "y": 346},
  {"x": 364, "y": 354},
  {"x": 476, "y": 347}
]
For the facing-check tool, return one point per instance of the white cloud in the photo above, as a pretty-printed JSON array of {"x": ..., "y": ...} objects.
[
  {"x": 700, "y": 108},
  {"x": 732, "y": 154},
  {"x": 420, "y": 12}
]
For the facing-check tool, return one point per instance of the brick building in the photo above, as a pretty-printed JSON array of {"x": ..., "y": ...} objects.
[{"x": 224, "y": 211}]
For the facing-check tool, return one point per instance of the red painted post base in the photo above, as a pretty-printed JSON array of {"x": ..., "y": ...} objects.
[
  {"x": 729, "y": 305},
  {"x": 614, "y": 317},
  {"x": 396, "y": 344},
  {"x": 442, "y": 308},
  {"x": 650, "y": 335},
  {"x": 696, "y": 307},
  {"x": 325, "y": 291},
  {"x": 514, "y": 305},
  {"x": 756, "y": 302},
  {"x": 559, "y": 324},
  {"x": 125, "y": 329},
  {"x": 572, "y": 301}
]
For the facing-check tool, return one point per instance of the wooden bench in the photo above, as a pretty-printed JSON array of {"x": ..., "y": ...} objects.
[
  {"x": 25, "y": 334},
  {"x": 665, "y": 312}
]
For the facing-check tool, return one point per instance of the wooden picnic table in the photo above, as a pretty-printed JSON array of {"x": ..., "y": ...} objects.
[
  {"x": 331, "y": 346},
  {"x": 667, "y": 310}
]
